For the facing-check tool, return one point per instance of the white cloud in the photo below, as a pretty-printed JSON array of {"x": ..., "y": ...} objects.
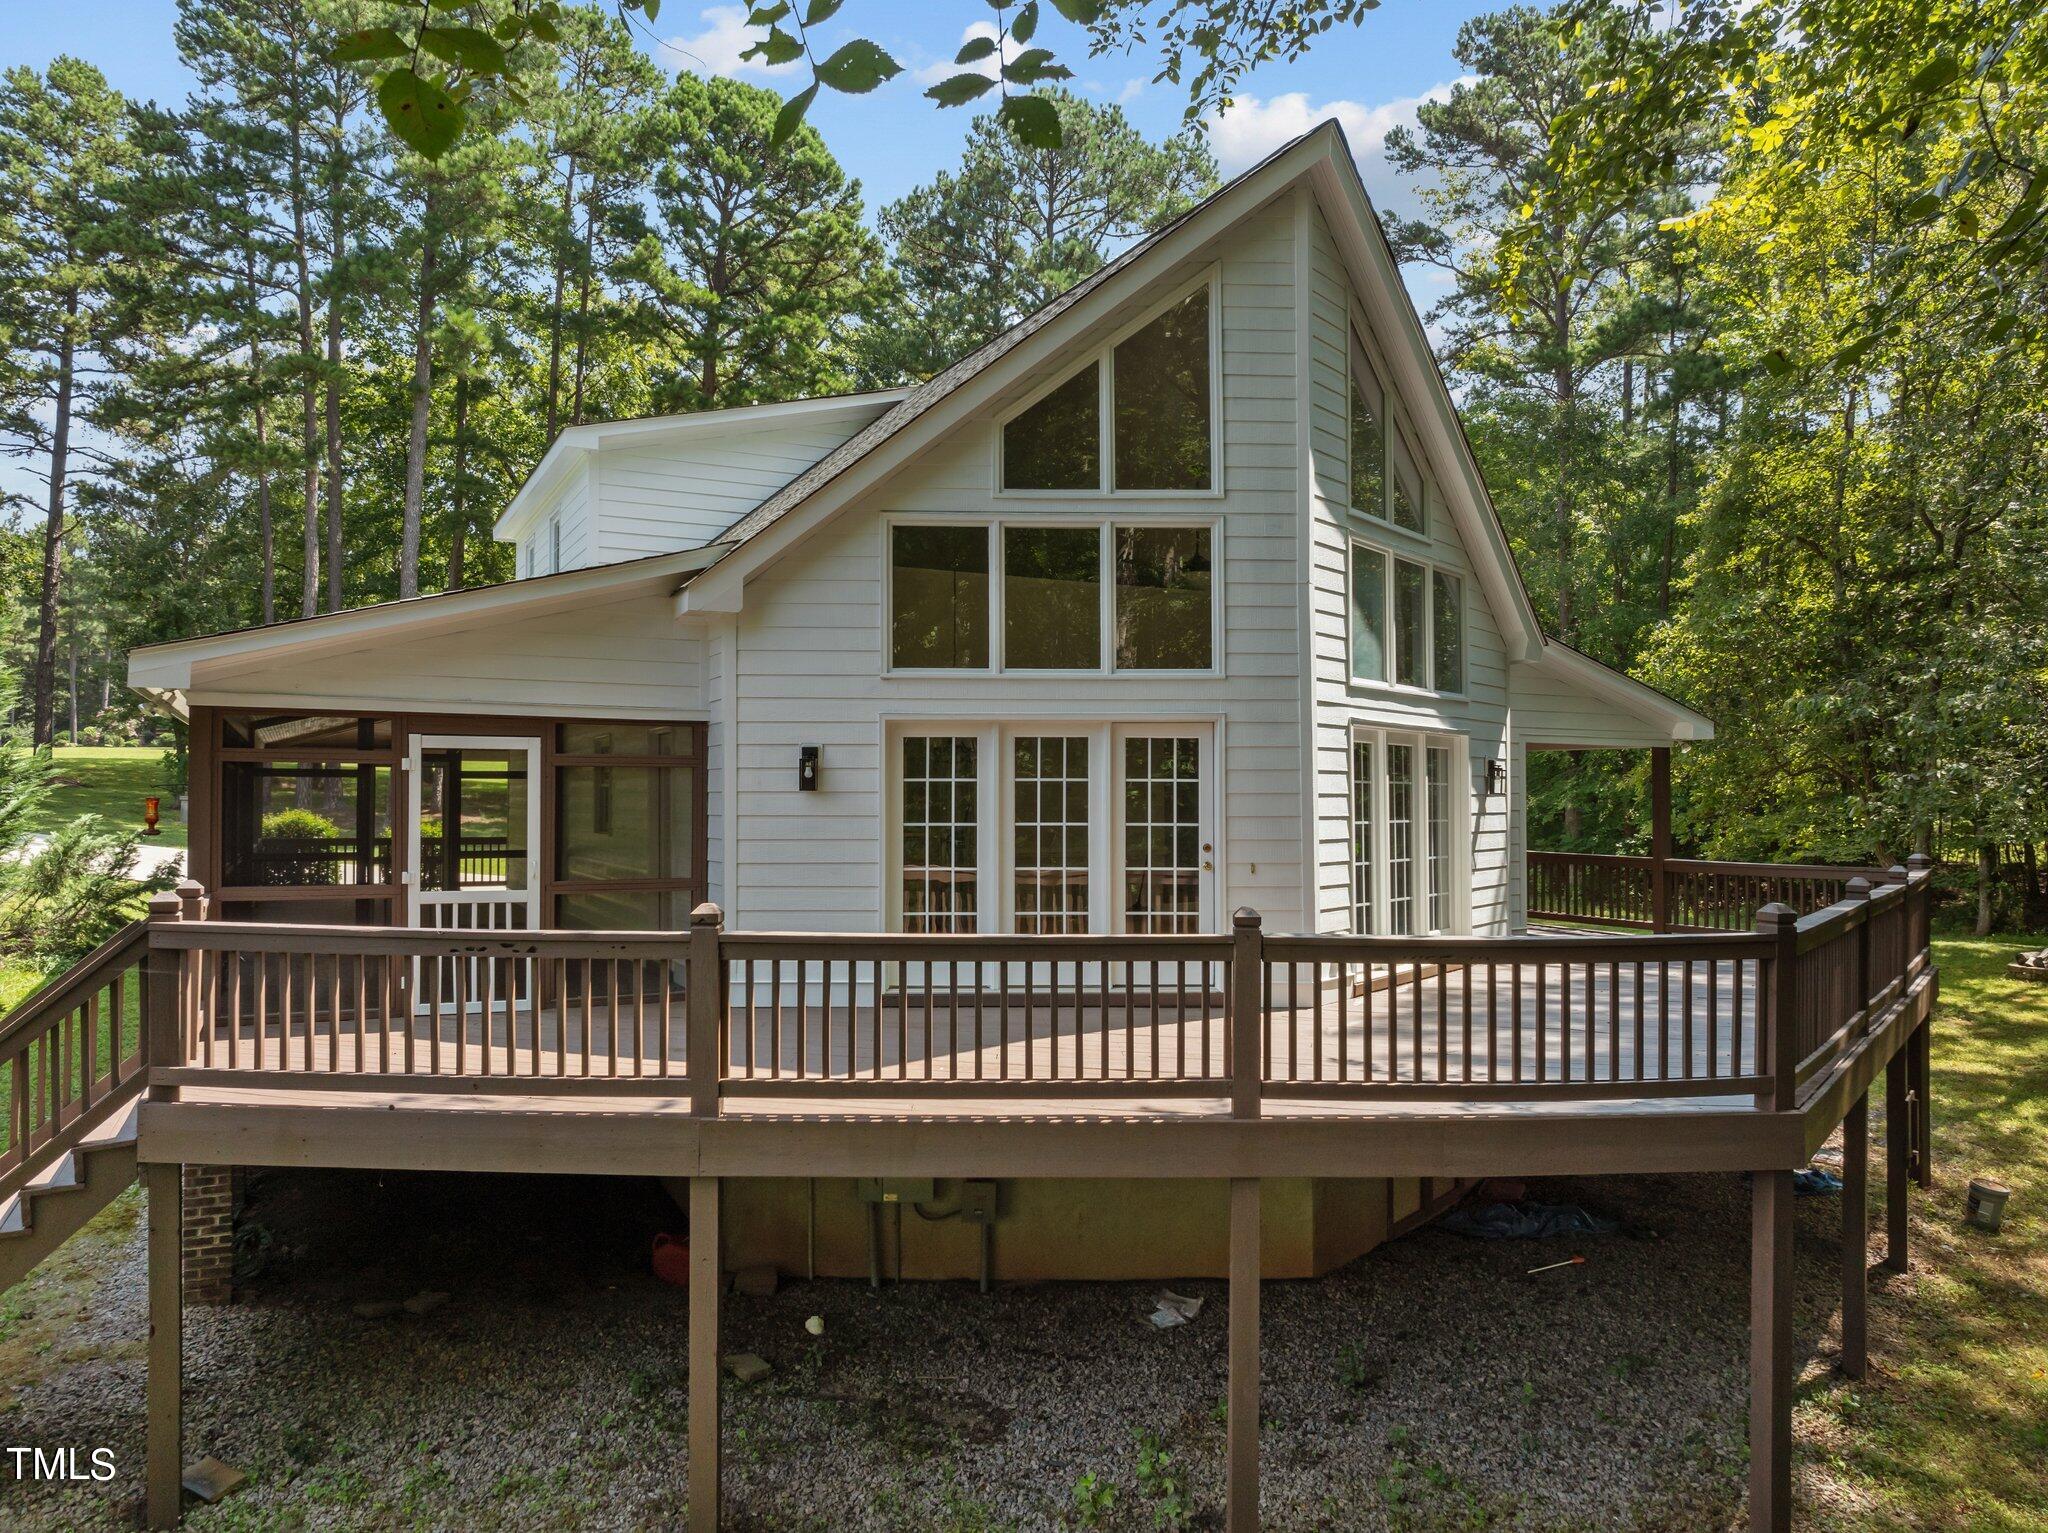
[
  {"x": 716, "y": 47},
  {"x": 1133, "y": 89},
  {"x": 945, "y": 69},
  {"x": 1251, "y": 128}
]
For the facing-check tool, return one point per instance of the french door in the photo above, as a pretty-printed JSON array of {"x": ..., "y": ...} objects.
[
  {"x": 1409, "y": 805},
  {"x": 473, "y": 832},
  {"x": 1054, "y": 829}
]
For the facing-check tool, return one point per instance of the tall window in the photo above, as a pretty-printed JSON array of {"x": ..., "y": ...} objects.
[
  {"x": 1159, "y": 435},
  {"x": 1052, "y": 598},
  {"x": 1056, "y": 444},
  {"x": 1362, "y": 849},
  {"x": 1401, "y": 869},
  {"x": 1368, "y": 440},
  {"x": 1406, "y": 621},
  {"x": 1447, "y": 631},
  {"x": 1049, "y": 787},
  {"x": 938, "y": 593},
  {"x": 1368, "y": 613},
  {"x": 1163, "y": 599},
  {"x": 1437, "y": 775},
  {"x": 941, "y": 833},
  {"x": 1411, "y": 618},
  {"x": 1161, "y": 376}
]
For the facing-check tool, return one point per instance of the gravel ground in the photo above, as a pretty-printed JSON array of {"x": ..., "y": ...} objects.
[{"x": 1432, "y": 1384}]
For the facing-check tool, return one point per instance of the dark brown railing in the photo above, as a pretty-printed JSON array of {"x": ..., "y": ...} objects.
[
  {"x": 1679, "y": 894},
  {"x": 807, "y": 1017},
  {"x": 71, "y": 1055}
]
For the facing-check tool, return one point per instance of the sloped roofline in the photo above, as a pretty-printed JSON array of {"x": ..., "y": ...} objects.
[
  {"x": 1624, "y": 691},
  {"x": 1322, "y": 157},
  {"x": 573, "y": 441},
  {"x": 168, "y": 667}
]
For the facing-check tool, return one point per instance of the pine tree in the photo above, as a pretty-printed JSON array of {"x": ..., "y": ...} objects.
[{"x": 64, "y": 150}]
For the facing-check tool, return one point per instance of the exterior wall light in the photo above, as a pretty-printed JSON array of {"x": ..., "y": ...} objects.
[
  {"x": 807, "y": 766},
  {"x": 1496, "y": 776}
]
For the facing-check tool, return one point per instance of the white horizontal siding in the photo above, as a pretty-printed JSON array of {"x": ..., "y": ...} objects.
[
  {"x": 655, "y": 497},
  {"x": 1550, "y": 710},
  {"x": 810, "y": 640},
  {"x": 617, "y": 659},
  {"x": 1481, "y": 715}
]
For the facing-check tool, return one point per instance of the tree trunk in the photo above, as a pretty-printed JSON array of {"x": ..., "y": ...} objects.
[
  {"x": 555, "y": 311},
  {"x": 71, "y": 664},
  {"x": 583, "y": 309},
  {"x": 1987, "y": 884},
  {"x": 53, "y": 533},
  {"x": 309, "y": 392},
  {"x": 422, "y": 402},
  {"x": 459, "y": 535},
  {"x": 336, "y": 243}
]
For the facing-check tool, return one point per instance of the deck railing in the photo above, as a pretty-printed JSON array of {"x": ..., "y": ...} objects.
[
  {"x": 72, "y": 1054},
  {"x": 811, "y": 1019},
  {"x": 1680, "y": 894}
]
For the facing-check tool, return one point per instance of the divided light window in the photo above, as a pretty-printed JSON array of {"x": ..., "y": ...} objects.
[
  {"x": 1407, "y": 622},
  {"x": 1149, "y": 588},
  {"x": 1159, "y": 434}
]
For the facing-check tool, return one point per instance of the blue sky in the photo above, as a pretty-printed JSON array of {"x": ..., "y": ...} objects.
[{"x": 1369, "y": 77}]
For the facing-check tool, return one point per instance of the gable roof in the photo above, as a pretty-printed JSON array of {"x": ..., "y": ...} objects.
[
  {"x": 1321, "y": 158},
  {"x": 572, "y": 442}
]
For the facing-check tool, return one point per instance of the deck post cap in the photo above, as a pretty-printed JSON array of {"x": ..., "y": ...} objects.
[
  {"x": 1858, "y": 888},
  {"x": 1244, "y": 915},
  {"x": 707, "y": 914},
  {"x": 1919, "y": 860},
  {"x": 1776, "y": 917},
  {"x": 165, "y": 906}
]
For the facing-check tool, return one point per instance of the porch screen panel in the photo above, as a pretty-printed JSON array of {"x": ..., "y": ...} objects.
[
  {"x": 627, "y": 831},
  {"x": 941, "y": 889},
  {"x": 297, "y": 823},
  {"x": 1049, "y": 787},
  {"x": 1437, "y": 774},
  {"x": 1401, "y": 859},
  {"x": 1162, "y": 792},
  {"x": 1362, "y": 850}
]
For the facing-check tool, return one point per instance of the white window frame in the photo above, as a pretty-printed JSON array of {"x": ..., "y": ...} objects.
[
  {"x": 1104, "y": 355},
  {"x": 1393, "y": 554},
  {"x": 1106, "y": 525},
  {"x": 1395, "y": 453},
  {"x": 997, "y": 795},
  {"x": 1458, "y": 861}
]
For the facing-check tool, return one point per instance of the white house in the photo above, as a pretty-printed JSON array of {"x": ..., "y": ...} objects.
[{"x": 1184, "y": 594}]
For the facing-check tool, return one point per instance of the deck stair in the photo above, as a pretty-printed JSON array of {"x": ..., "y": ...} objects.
[
  {"x": 58, "y": 1201},
  {"x": 71, "y": 1078}
]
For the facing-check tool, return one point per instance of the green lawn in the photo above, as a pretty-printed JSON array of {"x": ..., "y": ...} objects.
[
  {"x": 1951, "y": 1428},
  {"x": 110, "y": 781}
]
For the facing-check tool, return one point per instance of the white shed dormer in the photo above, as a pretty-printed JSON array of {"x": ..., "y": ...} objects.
[{"x": 619, "y": 490}]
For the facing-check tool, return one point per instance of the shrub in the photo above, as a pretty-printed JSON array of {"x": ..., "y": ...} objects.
[{"x": 298, "y": 825}]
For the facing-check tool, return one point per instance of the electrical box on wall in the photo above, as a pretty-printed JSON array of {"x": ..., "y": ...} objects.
[
  {"x": 894, "y": 1189},
  {"x": 978, "y": 1202}
]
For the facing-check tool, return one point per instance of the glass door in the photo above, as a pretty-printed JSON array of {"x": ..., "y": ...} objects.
[
  {"x": 1166, "y": 832},
  {"x": 473, "y": 825}
]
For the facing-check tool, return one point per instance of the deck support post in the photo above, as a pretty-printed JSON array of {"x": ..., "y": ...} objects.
[
  {"x": 704, "y": 1362},
  {"x": 1856, "y": 1238},
  {"x": 1921, "y": 1058},
  {"x": 1770, "y": 1352},
  {"x": 1242, "y": 1472},
  {"x": 1898, "y": 1149},
  {"x": 164, "y": 1451},
  {"x": 1660, "y": 837}
]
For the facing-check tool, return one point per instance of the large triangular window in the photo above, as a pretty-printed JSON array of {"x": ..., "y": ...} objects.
[{"x": 1157, "y": 433}]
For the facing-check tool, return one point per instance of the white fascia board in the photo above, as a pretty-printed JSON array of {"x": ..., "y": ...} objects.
[
  {"x": 720, "y": 590},
  {"x": 171, "y": 667},
  {"x": 1624, "y": 692},
  {"x": 576, "y": 443},
  {"x": 1377, "y": 277}
]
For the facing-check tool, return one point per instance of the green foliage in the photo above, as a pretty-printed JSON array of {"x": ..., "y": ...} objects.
[
  {"x": 1093, "y": 1501},
  {"x": 298, "y": 825},
  {"x": 1160, "y": 1483},
  {"x": 1019, "y": 223}
]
